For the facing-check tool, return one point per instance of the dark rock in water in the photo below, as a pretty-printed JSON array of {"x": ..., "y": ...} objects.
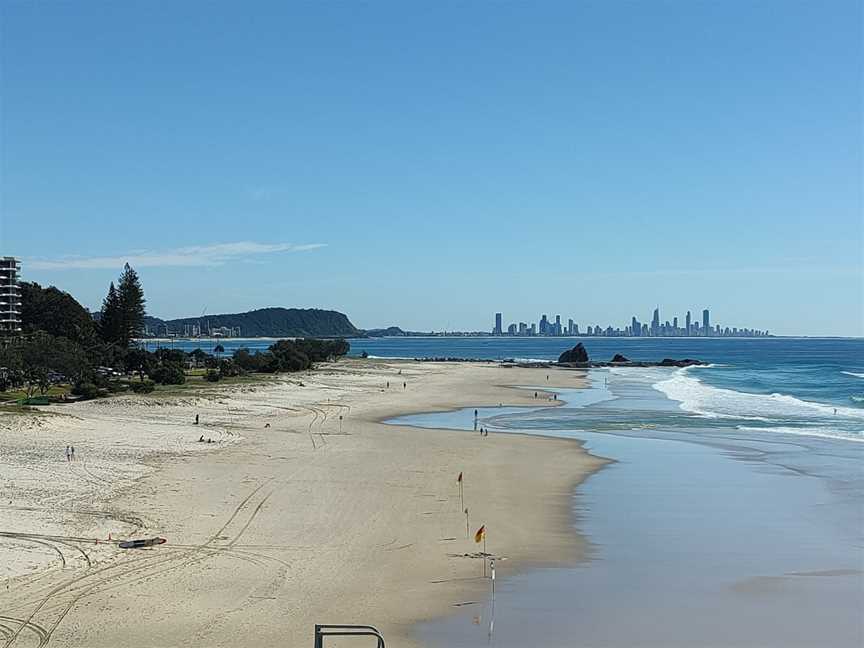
[
  {"x": 577, "y": 358},
  {"x": 686, "y": 362},
  {"x": 576, "y": 354}
]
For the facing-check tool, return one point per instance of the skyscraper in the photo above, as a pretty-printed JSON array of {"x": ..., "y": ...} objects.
[
  {"x": 655, "y": 322},
  {"x": 10, "y": 295},
  {"x": 689, "y": 328},
  {"x": 706, "y": 322},
  {"x": 544, "y": 326},
  {"x": 557, "y": 325},
  {"x": 498, "y": 325}
]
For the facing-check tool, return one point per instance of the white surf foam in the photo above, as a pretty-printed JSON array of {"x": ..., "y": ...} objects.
[
  {"x": 716, "y": 402},
  {"x": 374, "y": 357},
  {"x": 854, "y": 374}
]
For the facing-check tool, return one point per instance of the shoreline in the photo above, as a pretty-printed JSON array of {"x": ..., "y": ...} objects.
[
  {"x": 660, "y": 488},
  {"x": 339, "y": 543}
]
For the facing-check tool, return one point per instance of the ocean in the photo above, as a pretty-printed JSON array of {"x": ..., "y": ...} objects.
[{"x": 732, "y": 516}]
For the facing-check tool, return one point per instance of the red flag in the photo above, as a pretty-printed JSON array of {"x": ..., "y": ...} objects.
[{"x": 459, "y": 478}]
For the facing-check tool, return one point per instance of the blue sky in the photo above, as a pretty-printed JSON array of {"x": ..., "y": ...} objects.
[{"x": 428, "y": 164}]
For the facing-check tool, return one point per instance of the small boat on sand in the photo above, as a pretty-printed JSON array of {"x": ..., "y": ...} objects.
[{"x": 140, "y": 544}]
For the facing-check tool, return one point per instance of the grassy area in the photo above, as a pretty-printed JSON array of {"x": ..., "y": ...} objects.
[{"x": 18, "y": 394}]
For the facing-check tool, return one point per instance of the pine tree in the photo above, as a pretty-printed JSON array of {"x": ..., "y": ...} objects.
[
  {"x": 131, "y": 301},
  {"x": 109, "y": 322}
]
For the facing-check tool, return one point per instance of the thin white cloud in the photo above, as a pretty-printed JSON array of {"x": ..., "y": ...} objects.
[{"x": 193, "y": 256}]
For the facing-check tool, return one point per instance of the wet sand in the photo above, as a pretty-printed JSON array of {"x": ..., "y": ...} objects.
[
  {"x": 272, "y": 529},
  {"x": 700, "y": 537}
]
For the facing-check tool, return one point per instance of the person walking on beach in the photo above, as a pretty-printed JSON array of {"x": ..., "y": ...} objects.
[
  {"x": 404, "y": 385},
  {"x": 196, "y": 419},
  {"x": 72, "y": 450},
  {"x": 388, "y": 384},
  {"x": 68, "y": 454}
]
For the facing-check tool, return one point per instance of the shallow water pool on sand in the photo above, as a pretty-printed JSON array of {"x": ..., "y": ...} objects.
[{"x": 719, "y": 539}]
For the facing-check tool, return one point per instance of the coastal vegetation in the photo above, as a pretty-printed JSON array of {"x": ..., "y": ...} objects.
[
  {"x": 122, "y": 316},
  {"x": 65, "y": 353}
]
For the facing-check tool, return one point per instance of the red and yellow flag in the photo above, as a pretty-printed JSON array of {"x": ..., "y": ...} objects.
[
  {"x": 459, "y": 478},
  {"x": 481, "y": 533}
]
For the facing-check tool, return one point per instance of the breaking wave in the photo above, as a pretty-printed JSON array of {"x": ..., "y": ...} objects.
[{"x": 700, "y": 398}]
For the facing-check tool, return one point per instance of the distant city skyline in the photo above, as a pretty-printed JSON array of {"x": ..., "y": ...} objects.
[
  {"x": 635, "y": 328},
  {"x": 696, "y": 321},
  {"x": 422, "y": 168}
]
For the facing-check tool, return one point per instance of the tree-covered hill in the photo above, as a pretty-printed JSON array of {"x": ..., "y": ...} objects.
[{"x": 268, "y": 322}]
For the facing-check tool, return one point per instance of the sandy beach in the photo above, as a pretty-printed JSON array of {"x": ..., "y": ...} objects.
[{"x": 289, "y": 518}]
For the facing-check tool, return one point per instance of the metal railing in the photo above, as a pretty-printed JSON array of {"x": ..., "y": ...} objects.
[{"x": 341, "y": 630}]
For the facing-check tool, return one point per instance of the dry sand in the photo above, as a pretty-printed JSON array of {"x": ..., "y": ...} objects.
[{"x": 272, "y": 529}]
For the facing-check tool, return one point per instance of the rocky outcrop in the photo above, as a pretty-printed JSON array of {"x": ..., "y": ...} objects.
[
  {"x": 686, "y": 362},
  {"x": 576, "y": 354},
  {"x": 577, "y": 358}
]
